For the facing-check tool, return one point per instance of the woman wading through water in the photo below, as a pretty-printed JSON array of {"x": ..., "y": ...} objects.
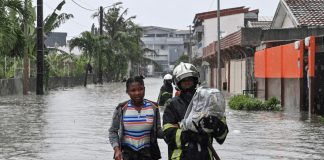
[{"x": 136, "y": 125}]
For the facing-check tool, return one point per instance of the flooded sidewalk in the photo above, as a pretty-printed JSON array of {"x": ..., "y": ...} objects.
[{"x": 72, "y": 124}]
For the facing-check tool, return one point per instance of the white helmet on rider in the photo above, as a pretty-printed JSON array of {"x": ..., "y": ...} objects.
[
  {"x": 184, "y": 70},
  {"x": 167, "y": 77}
]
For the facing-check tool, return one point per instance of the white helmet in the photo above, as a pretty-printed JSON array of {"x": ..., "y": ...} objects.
[
  {"x": 167, "y": 77},
  {"x": 184, "y": 70}
]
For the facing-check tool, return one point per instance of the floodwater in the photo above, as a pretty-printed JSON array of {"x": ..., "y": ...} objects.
[{"x": 72, "y": 124}]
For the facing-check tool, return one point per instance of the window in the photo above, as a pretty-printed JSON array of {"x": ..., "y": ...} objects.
[
  {"x": 162, "y": 35},
  {"x": 149, "y": 35}
]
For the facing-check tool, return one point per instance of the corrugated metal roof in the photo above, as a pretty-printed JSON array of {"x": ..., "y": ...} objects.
[
  {"x": 307, "y": 12},
  {"x": 260, "y": 24},
  {"x": 182, "y": 32}
]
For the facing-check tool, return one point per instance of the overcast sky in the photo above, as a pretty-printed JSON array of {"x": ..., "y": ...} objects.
[{"x": 176, "y": 14}]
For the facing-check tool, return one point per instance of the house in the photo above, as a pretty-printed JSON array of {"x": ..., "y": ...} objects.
[
  {"x": 205, "y": 35},
  {"x": 55, "y": 39},
  {"x": 241, "y": 68},
  {"x": 299, "y": 13},
  {"x": 283, "y": 61}
]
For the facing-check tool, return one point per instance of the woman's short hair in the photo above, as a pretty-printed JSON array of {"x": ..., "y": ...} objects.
[{"x": 131, "y": 80}]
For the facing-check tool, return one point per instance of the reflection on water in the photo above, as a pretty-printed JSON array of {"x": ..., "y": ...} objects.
[{"x": 72, "y": 124}]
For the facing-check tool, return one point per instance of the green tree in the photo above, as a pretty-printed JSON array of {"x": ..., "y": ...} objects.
[
  {"x": 183, "y": 58},
  {"x": 125, "y": 45},
  {"x": 89, "y": 44},
  {"x": 11, "y": 35}
]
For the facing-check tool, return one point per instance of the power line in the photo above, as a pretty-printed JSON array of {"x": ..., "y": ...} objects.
[
  {"x": 76, "y": 22},
  {"x": 115, "y": 4},
  {"x": 87, "y": 4},
  {"x": 84, "y": 7}
]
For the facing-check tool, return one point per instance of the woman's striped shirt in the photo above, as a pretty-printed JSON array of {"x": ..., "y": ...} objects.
[{"x": 138, "y": 125}]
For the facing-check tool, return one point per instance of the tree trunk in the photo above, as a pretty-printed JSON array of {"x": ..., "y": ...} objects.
[
  {"x": 100, "y": 81},
  {"x": 26, "y": 61},
  {"x": 99, "y": 70},
  {"x": 86, "y": 74},
  {"x": 46, "y": 74}
]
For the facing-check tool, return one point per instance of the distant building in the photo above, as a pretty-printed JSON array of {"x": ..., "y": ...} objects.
[
  {"x": 168, "y": 44},
  {"x": 185, "y": 34},
  {"x": 58, "y": 40},
  {"x": 55, "y": 39}
]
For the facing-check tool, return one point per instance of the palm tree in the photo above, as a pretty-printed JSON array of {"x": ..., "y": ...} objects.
[
  {"x": 115, "y": 30},
  {"x": 120, "y": 43},
  {"x": 55, "y": 62},
  {"x": 89, "y": 44},
  {"x": 12, "y": 40},
  {"x": 55, "y": 20},
  {"x": 125, "y": 44},
  {"x": 51, "y": 22},
  {"x": 10, "y": 31}
]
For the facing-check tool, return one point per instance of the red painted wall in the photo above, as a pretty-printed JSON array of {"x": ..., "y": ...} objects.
[{"x": 279, "y": 62}]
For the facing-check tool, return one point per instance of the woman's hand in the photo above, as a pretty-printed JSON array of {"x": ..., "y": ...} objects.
[{"x": 118, "y": 153}]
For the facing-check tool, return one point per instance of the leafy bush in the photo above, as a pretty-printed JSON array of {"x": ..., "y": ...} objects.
[
  {"x": 244, "y": 102},
  {"x": 321, "y": 119},
  {"x": 272, "y": 104}
]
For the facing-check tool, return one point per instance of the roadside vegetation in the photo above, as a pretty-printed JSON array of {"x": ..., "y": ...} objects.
[
  {"x": 109, "y": 54},
  {"x": 244, "y": 102},
  {"x": 321, "y": 119}
]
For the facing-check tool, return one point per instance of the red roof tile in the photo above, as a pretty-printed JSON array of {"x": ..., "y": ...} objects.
[{"x": 307, "y": 12}]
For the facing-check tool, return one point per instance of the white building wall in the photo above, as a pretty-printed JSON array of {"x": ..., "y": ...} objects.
[
  {"x": 237, "y": 76},
  {"x": 287, "y": 23},
  {"x": 229, "y": 24}
]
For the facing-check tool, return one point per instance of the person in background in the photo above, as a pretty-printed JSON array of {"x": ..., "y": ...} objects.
[
  {"x": 189, "y": 145},
  {"x": 166, "y": 90},
  {"x": 177, "y": 93},
  {"x": 136, "y": 125}
]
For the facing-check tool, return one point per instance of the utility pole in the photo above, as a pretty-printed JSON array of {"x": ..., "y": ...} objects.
[
  {"x": 190, "y": 50},
  {"x": 219, "y": 75},
  {"x": 5, "y": 67},
  {"x": 40, "y": 49},
  {"x": 26, "y": 61},
  {"x": 100, "y": 81}
]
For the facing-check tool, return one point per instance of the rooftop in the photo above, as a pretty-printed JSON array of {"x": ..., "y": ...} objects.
[
  {"x": 223, "y": 12},
  {"x": 259, "y": 24},
  {"x": 307, "y": 12}
]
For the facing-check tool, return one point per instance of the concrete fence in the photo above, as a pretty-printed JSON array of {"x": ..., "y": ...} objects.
[{"x": 14, "y": 86}]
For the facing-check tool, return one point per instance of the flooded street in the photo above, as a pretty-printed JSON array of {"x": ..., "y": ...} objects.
[{"x": 72, "y": 124}]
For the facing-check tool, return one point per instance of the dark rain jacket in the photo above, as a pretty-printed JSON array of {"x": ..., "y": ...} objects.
[
  {"x": 116, "y": 130},
  {"x": 166, "y": 92},
  {"x": 173, "y": 114}
]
